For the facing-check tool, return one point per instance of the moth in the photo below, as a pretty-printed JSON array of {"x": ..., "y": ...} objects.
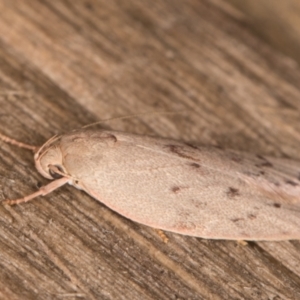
[{"x": 204, "y": 192}]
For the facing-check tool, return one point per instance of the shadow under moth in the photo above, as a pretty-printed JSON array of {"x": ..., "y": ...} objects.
[{"x": 205, "y": 192}]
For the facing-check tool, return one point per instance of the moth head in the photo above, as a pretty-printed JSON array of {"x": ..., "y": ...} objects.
[{"x": 49, "y": 160}]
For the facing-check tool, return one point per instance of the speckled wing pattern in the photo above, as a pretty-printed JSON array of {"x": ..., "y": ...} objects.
[{"x": 197, "y": 191}]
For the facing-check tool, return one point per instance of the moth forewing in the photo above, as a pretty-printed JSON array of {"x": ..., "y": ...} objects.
[{"x": 199, "y": 191}]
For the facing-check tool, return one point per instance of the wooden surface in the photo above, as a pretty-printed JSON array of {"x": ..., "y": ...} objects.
[
  {"x": 277, "y": 22},
  {"x": 67, "y": 63}
]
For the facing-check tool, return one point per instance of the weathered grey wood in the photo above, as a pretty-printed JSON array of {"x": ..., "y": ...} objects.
[{"x": 67, "y": 63}]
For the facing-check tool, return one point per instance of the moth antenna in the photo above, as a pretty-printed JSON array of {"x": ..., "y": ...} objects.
[
  {"x": 14, "y": 142},
  {"x": 134, "y": 116}
]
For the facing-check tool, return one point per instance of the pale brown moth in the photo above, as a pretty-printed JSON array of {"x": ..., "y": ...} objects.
[{"x": 198, "y": 191}]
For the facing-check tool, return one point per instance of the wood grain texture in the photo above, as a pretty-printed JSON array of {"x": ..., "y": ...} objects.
[
  {"x": 64, "y": 64},
  {"x": 277, "y": 22}
]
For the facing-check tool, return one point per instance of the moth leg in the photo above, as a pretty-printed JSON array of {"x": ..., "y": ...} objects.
[{"x": 44, "y": 190}]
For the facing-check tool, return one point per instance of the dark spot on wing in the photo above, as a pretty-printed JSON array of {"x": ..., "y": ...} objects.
[
  {"x": 195, "y": 165},
  {"x": 291, "y": 182},
  {"x": 251, "y": 216},
  {"x": 178, "y": 189},
  {"x": 175, "y": 189},
  {"x": 237, "y": 219},
  {"x": 198, "y": 204},
  {"x": 109, "y": 138},
  {"x": 299, "y": 176},
  {"x": 264, "y": 163},
  {"x": 232, "y": 192},
  {"x": 277, "y": 205},
  {"x": 262, "y": 172},
  {"x": 191, "y": 145},
  {"x": 181, "y": 152}
]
